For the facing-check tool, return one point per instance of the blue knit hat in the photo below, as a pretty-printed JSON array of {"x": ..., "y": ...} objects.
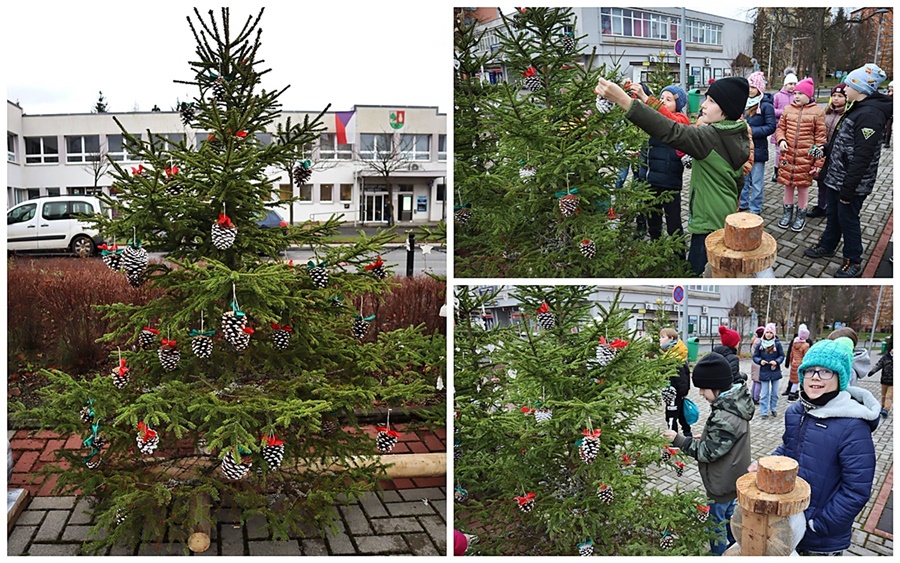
[
  {"x": 836, "y": 355},
  {"x": 679, "y": 93},
  {"x": 865, "y": 79}
]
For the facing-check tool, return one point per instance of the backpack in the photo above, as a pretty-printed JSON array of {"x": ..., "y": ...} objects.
[{"x": 691, "y": 411}]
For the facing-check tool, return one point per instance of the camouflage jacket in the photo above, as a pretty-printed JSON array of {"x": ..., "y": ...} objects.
[{"x": 723, "y": 451}]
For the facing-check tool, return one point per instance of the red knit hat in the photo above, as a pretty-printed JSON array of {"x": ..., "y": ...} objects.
[{"x": 729, "y": 337}]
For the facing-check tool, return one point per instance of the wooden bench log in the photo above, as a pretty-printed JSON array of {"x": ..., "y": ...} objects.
[
  {"x": 743, "y": 231},
  {"x": 729, "y": 263}
]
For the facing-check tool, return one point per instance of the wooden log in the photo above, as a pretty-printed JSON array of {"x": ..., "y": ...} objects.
[
  {"x": 16, "y": 499},
  {"x": 739, "y": 263},
  {"x": 743, "y": 231},
  {"x": 198, "y": 540},
  {"x": 779, "y": 536},
  {"x": 776, "y": 474},
  {"x": 752, "y": 499}
]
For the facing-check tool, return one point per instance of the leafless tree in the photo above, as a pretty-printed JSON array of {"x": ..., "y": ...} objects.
[
  {"x": 384, "y": 163},
  {"x": 97, "y": 164}
]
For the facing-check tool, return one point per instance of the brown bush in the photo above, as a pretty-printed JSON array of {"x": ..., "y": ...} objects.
[{"x": 413, "y": 301}]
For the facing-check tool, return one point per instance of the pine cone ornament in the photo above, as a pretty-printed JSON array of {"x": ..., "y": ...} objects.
[
  {"x": 87, "y": 414},
  {"x": 669, "y": 453},
  {"x": 201, "y": 343},
  {"x": 147, "y": 338},
  {"x": 527, "y": 173},
  {"x": 702, "y": 513},
  {"x": 545, "y": 317},
  {"x": 172, "y": 182},
  {"x": 568, "y": 204},
  {"x": 462, "y": 213},
  {"x": 329, "y": 427},
  {"x": 121, "y": 515},
  {"x": 282, "y": 335},
  {"x": 386, "y": 439},
  {"x": 667, "y": 541},
  {"x": 242, "y": 342},
  {"x": 568, "y": 43},
  {"x": 588, "y": 248},
  {"x": 679, "y": 468},
  {"x": 187, "y": 112},
  {"x": 233, "y": 324},
  {"x": 605, "y": 493},
  {"x": 589, "y": 446},
  {"x": 134, "y": 262},
  {"x": 234, "y": 470},
  {"x": 302, "y": 172},
  {"x": 318, "y": 274},
  {"x": 147, "y": 439},
  {"x": 223, "y": 233},
  {"x": 218, "y": 88},
  {"x": 604, "y": 105},
  {"x": 272, "y": 451},
  {"x": 606, "y": 352},
  {"x": 361, "y": 326},
  {"x": 460, "y": 495},
  {"x": 586, "y": 549},
  {"x": 111, "y": 256},
  {"x": 377, "y": 268},
  {"x": 169, "y": 356},
  {"x": 817, "y": 152},
  {"x": 531, "y": 79},
  {"x": 542, "y": 415},
  {"x": 687, "y": 161},
  {"x": 120, "y": 375},
  {"x": 668, "y": 395},
  {"x": 94, "y": 461},
  {"x": 526, "y": 502}
]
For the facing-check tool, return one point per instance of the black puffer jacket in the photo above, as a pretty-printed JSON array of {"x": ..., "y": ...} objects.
[
  {"x": 661, "y": 166},
  {"x": 854, "y": 151},
  {"x": 733, "y": 360},
  {"x": 886, "y": 365}
]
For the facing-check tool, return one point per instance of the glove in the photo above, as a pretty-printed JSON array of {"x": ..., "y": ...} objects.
[
  {"x": 687, "y": 161},
  {"x": 817, "y": 152},
  {"x": 871, "y": 373}
]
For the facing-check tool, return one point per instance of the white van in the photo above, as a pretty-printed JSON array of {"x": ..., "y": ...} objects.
[{"x": 50, "y": 224}]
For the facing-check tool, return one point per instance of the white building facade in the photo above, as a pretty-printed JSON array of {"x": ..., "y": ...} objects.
[{"x": 55, "y": 155}]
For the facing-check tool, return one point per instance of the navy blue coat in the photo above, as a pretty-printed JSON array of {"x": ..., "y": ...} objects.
[
  {"x": 833, "y": 445},
  {"x": 661, "y": 167},
  {"x": 762, "y": 125},
  {"x": 766, "y": 373}
]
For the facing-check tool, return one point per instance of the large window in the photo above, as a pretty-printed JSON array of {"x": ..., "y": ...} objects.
[
  {"x": 346, "y": 192},
  {"x": 647, "y": 25},
  {"x": 82, "y": 148},
  {"x": 330, "y": 149},
  {"x": 326, "y": 193},
  {"x": 41, "y": 150},
  {"x": 166, "y": 141},
  {"x": 119, "y": 148},
  {"x": 415, "y": 147},
  {"x": 12, "y": 140},
  {"x": 306, "y": 192},
  {"x": 442, "y": 147},
  {"x": 375, "y": 146}
]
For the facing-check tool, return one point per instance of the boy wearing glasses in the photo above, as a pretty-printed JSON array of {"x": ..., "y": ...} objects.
[{"x": 829, "y": 433}]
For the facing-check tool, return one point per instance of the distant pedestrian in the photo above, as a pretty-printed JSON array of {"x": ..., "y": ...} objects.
[
  {"x": 756, "y": 387},
  {"x": 679, "y": 383},
  {"x": 833, "y": 113},
  {"x": 796, "y": 352},
  {"x": 801, "y": 140},
  {"x": 885, "y": 364},
  {"x": 853, "y": 156},
  {"x": 730, "y": 341},
  {"x": 769, "y": 355},
  {"x": 759, "y": 114},
  {"x": 782, "y": 99},
  {"x": 862, "y": 360},
  {"x": 829, "y": 433}
]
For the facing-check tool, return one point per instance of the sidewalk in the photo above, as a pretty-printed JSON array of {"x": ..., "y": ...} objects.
[
  {"x": 876, "y": 219},
  {"x": 408, "y": 518},
  {"x": 873, "y": 528}
]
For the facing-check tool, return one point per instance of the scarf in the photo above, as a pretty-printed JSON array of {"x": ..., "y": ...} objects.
[
  {"x": 669, "y": 344},
  {"x": 752, "y": 102},
  {"x": 767, "y": 343},
  {"x": 810, "y": 404}
]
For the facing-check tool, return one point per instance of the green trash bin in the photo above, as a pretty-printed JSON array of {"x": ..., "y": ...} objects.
[
  {"x": 693, "y": 346},
  {"x": 694, "y": 100},
  {"x": 883, "y": 347}
]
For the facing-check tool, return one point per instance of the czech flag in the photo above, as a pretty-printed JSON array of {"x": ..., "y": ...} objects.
[{"x": 345, "y": 126}]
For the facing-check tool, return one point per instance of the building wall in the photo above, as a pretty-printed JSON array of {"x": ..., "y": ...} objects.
[
  {"x": 426, "y": 179},
  {"x": 885, "y": 42}
]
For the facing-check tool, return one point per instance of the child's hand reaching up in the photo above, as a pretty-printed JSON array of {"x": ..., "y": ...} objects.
[
  {"x": 613, "y": 92},
  {"x": 669, "y": 435}
]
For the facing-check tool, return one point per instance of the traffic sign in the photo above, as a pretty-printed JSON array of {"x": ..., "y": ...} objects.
[
  {"x": 678, "y": 47},
  {"x": 678, "y": 294}
]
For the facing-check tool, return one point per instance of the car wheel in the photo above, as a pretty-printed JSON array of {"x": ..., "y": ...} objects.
[{"x": 82, "y": 246}]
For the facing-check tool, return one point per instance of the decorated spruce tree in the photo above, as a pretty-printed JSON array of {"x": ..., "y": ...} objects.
[
  {"x": 549, "y": 457},
  {"x": 536, "y": 161},
  {"x": 244, "y": 382}
]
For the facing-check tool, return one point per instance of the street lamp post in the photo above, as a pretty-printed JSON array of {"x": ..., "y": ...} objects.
[
  {"x": 771, "y": 38},
  {"x": 881, "y": 12},
  {"x": 792, "y": 48}
]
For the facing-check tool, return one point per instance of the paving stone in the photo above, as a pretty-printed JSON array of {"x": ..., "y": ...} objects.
[
  {"x": 52, "y": 527},
  {"x": 81, "y": 513},
  {"x": 54, "y": 549},
  {"x": 228, "y": 514},
  {"x": 430, "y": 493},
  {"x": 18, "y": 540},
  {"x": 161, "y": 549},
  {"x": 356, "y": 521},
  {"x": 314, "y": 547},
  {"x": 76, "y": 533},
  {"x": 270, "y": 548},
  {"x": 391, "y": 496},
  {"x": 880, "y": 549},
  {"x": 421, "y": 544},
  {"x": 121, "y": 549},
  {"x": 382, "y": 544},
  {"x": 396, "y": 525},
  {"x": 409, "y": 508},
  {"x": 231, "y": 539},
  {"x": 257, "y": 527},
  {"x": 441, "y": 508},
  {"x": 339, "y": 543},
  {"x": 436, "y": 529},
  {"x": 31, "y": 518},
  {"x": 52, "y": 503},
  {"x": 373, "y": 506}
]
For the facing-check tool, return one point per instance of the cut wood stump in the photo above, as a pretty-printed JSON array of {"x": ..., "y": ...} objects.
[
  {"x": 198, "y": 541},
  {"x": 776, "y": 474},
  {"x": 742, "y": 249}
]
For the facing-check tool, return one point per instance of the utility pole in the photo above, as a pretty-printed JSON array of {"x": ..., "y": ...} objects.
[
  {"x": 875, "y": 319},
  {"x": 771, "y": 38},
  {"x": 682, "y": 68}
]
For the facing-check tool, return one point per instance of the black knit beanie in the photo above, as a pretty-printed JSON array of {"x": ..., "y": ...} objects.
[
  {"x": 731, "y": 95},
  {"x": 712, "y": 372}
]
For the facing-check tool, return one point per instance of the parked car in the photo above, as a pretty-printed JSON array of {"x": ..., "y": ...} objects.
[
  {"x": 272, "y": 220},
  {"x": 53, "y": 225}
]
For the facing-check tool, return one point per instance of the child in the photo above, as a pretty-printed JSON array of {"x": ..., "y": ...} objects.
[
  {"x": 853, "y": 156},
  {"x": 836, "y": 106},
  {"x": 680, "y": 383},
  {"x": 718, "y": 152},
  {"x": 768, "y": 357},
  {"x": 724, "y": 448},
  {"x": 760, "y": 116},
  {"x": 798, "y": 349},
  {"x": 862, "y": 361},
  {"x": 756, "y": 388},
  {"x": 730, "y": 340},
  {"x": 801, "y": 139},
  {"x": 829, "y": 433},
  {"x": 782, "y": 99},
  {"x": 886, "y": 364}
]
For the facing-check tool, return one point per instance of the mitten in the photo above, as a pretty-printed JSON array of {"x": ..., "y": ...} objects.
[{"x": 687, "y": 161}]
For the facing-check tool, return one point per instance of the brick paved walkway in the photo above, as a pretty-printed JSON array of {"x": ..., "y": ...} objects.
[
  {"x": 766, "y": 436},
  {"x": 876, "y": 215},
  {"x": 408, "y": 518}
]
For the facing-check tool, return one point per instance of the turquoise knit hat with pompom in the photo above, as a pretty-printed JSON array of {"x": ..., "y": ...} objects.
[{"x": 836, "y": 355}]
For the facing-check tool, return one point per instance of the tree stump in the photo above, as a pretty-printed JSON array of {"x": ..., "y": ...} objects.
[
  {"x": 198, "y": 540},
  {"x": 742, "y": 249},
  {"x": 762, "y": 519}
]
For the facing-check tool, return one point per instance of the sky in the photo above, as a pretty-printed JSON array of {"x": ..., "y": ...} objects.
[{"x": 340, "y": 53}]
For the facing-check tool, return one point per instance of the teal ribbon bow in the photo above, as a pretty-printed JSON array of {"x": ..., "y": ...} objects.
[
  {"x": 194, "y": 332},
  {"x": 565, "y": 193},
  {"x": 463, "y": 206},
  {"x": 237, "y": 311},
  {"x": 312, "y": 265},
  {"x": 369, "y": 318}
]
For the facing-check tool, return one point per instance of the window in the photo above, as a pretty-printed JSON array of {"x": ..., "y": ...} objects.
[
  {"x": 441, "y": 192},
  {"x": 374, "y": 146},
  {"x": 346, "y": 192},
  {"x": 52, "y": 191},
  {"x": 82, "y": 148},
  {"x": 442, "y": 147},
  {"x": 648, "y": 25},
  {"x": 265, "y": 139},
  {"x": 285, "y": 191},
  {"x": 415, "y": 147},
  {"x": 34, "y": 193},
  {"x": 11, "y": 141},
  {"x": 87, "y": 190},
  {"x": 405, "y": 188},
  {"x": 21, "y": 214},
  {"x": 330, "y": 149},
  {"x": 165, "y": 141},
  {"x": 325, "y": 192},
  {"x": 306, "y": 192},
  {"x": 41, "y": 150},
  {"x": 119, "y": 148}
]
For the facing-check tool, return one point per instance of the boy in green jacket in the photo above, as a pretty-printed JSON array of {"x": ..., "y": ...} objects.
[{"x": 719, "y": 152}]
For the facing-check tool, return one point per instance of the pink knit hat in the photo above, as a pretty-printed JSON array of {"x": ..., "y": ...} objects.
[
  {"x": 806, "y": 86},
  {"x": 758, "y": 81}
]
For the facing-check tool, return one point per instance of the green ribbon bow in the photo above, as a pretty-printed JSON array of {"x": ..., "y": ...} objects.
[
  {"x": 194, "y": 332},
  {"x": 237, "y": 311},
  {"x": 565, "y": 193},
  {"x": 312, "y": 265},
  {"x": 369, "y": 318}
]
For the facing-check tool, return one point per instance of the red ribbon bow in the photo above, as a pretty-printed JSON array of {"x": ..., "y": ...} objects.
[
  {"x": 111, "y": 248},
  {"x": 210, "y": 137},
  {"x": 153, "y": 330},
  {"x": 375, "y": 264},
  {"x": 137, "y": 171},
  {"x": 625, "y": 459},
  {"x": 225, "y": 221},
  {"x": 285, "y": 327},
  {"x": 248, "y": 330},
  {"x": 527, "y": 410},
  {"x": 544, "y": 308},
  {"x": 594, "y": 434},
  {"x": 618, "y": 343},
  {"x": 679, "y": 463},
  {"x": 671, "y": 450},
  {"x": 530, "y": 72},
  {"x": 388, "y": 431},
  {"x": 241, "y": 134},
  {"x": 524, "y": 499},
  {"x": 122, "y": 369},
  {"x": 171, "y": 171},
  {"x": 168, "y": 343},
  {"x": 703, "y": 509},
  {"x": 147, "y": 433},
  {"x": 272, "y": 440}
]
